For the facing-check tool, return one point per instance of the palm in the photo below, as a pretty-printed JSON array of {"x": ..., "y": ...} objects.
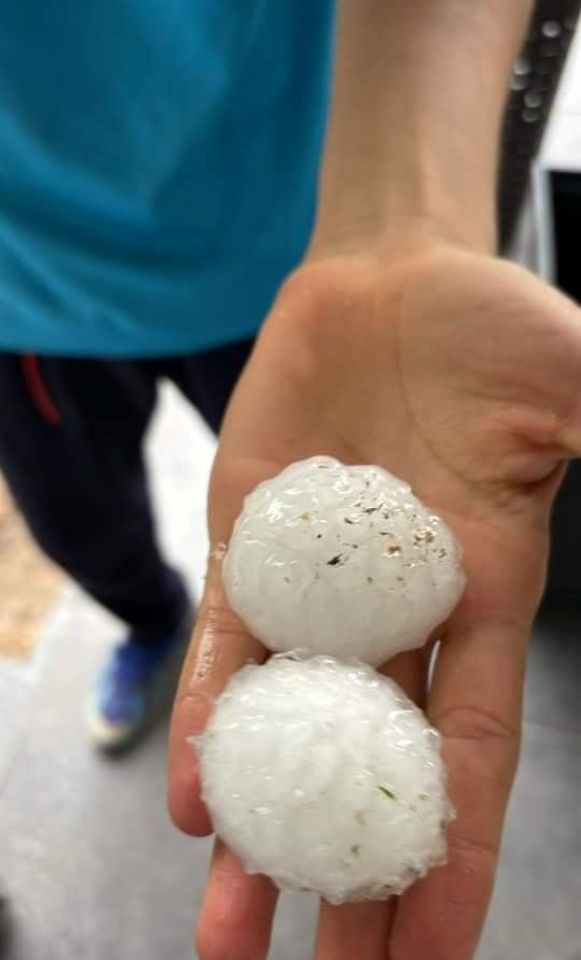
[{"x": 456, "y": 373}]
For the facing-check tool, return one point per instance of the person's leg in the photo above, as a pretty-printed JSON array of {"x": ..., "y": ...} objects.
[
  {"x": 207, "y": 379},
  {"x": 70, "y": 449}
]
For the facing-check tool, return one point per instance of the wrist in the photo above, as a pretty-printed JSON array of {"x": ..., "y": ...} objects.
[
  {"x": 399, "y": 235},
  {"x": 419, "y": 91}
]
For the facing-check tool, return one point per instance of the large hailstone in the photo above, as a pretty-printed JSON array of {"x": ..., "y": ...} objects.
[
  {"x": 342, "y": 560},
  {"x": 326, "y": 777}
]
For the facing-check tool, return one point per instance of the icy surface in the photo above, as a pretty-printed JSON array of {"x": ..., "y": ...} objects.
[
  {"x": 326, "y": 777},
  {"x": 342, "y": 560}
]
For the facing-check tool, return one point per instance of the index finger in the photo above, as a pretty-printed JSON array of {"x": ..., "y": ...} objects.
[
  {"x": 476, "y": 703},
  {"x": 220, "y": 646}
]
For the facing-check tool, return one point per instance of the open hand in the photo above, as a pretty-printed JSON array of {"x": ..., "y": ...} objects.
[{"x": 461, "y": 374}]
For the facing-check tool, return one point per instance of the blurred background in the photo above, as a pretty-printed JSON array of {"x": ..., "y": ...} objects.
[{"x": 90, "y": 867}]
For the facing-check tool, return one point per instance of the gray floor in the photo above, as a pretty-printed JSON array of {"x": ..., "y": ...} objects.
[{"x": 92, "y": 867}]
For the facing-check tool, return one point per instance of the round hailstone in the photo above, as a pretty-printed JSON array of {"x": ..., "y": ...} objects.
[
  {"x": 341, "y": 560},
  {"x": 326, "y": 777}
]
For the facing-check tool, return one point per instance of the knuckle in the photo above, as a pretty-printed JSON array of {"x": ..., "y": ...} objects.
[
  {"x": 481, "y": 742},
  {"x": 466, "y": 722},
  {"x": 473, "y": 862},
  {"x": 479, "y": 851}
]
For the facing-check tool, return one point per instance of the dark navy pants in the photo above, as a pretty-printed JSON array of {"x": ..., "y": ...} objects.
[{"x": 71, "y": 438}]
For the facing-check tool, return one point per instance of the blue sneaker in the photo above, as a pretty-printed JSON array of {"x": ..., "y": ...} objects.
[{"x": 132, "y": 685}]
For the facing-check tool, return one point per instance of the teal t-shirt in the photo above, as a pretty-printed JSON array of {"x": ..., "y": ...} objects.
[{"x": 158, "y": 165}]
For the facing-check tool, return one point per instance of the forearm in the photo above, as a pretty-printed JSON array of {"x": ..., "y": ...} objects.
[{"x": 419, "y": 91}]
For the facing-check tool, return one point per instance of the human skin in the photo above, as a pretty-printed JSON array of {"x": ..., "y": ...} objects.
[{"x": 403, "y": 341}]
